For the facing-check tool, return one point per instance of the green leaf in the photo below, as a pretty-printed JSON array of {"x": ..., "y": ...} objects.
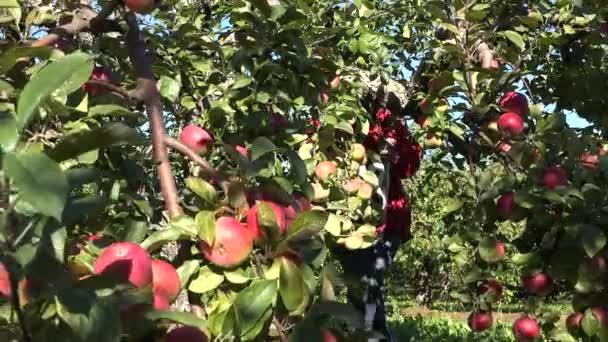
[
  {"x": 237, "y": 276},
  {"x": 203, "y": 189},
  {"x": 180, "y": 228},
  {"x": 169, "y": 88},
  {"x": 184, "y": 318},
  {"x": 10, "y": 58},
  {"x": 40, "y": 180},
  {"x": 9, "y": 134},
  {"x": 110, "y": 110},
  {"x": 89, "y": 317},
  {"x": 306, "y": 225},
  {"x": 260, "y": 147},
  {"x": 187, "y": 270},
  {"x": 590, "y": 323},
  {"x": 9, "y": 4},
  {"x": 205, "y": 221},
  {"x": 241, "y": 82},
  {"x": 108, "y": 135},
  {"x": 49, "y": 79},
  {"x": 293, "y": 290},
  {"x": 251, "y": 304},
  {"x": 515, "y": 38},
  {"x": 593, "y": 239},
  {"x": 452, "y": 205},
  {"x": 206, "y": 281}
]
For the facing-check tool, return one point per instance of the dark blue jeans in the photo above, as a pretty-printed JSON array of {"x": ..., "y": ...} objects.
[{"x": 364, "y": 272}]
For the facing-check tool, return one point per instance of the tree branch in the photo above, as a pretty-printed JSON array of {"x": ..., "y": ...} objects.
[
  {"x": 198, "y": 160},
  {"x": 147, "y": 88},
  {"x": 85, "y": 19}
]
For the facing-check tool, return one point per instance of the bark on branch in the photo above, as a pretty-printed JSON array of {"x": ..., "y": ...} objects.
[{"x": 147, "y": 90}]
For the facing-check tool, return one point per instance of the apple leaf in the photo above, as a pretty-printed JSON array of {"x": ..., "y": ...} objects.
[
  {"x": 593, "y": 239},
  {"x": 180, "y": 228},
  {"x": 40, "y": 180},
  {"x": 306, "y": 225},
  {"x": 184, "y": 318},
  {"x": 169, "y": 88},
  {"x": 8, "y": 131},
  {"x": 9, "y": 4},
  {"x": 260, "y": 147},
  {"x": 251, "y": 304},
  {"x": 515, "y": 38},
  {"x": 206, "y": 281},
  {"x": 90, "y": 317},
  {"x": 590, "y": 323},
  {"x": 66, "y": 71},
  {"x": 11, "y": 57},
  {"x": 187, "y": 270},
  {"x": 267, "y": 220},
  {"x": 111, "y": 134},
  {"x": 294, "y": 292},
  {"x": 237, "y": 276},
  {"x": 205, "y": 221}
]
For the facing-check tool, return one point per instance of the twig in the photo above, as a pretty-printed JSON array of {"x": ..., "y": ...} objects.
[
  {"x": 279, "y": 326},
  {"x": 197, "y": 159},
  {"x": 16, "y": 304},
  {"x": 147, "y": 91},
  {"x": 113, "y": 88}
]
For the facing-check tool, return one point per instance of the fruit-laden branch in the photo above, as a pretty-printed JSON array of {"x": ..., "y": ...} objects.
[
  {"x": 85, "y": 19},
  {"x": 147, "y": 90},
  {"x": 197, "y": 159}
]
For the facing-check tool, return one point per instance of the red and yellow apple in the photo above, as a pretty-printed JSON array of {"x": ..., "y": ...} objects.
[
  {"x": 253, "y": 224},
  {"x": 526, "y": 329},
  {"x": 325, "y": 169},
  {"x": 165, "y": 284},
  {"x": 480, "y": 321},
  {"x": 196, "y": 138},
  {"x": 232, "y": 244}
]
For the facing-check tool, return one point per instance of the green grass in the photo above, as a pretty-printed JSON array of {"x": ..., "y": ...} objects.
[{"x": 420, "y": 329}]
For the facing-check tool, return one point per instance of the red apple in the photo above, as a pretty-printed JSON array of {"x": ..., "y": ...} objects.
[
  {"x": 365, "y": 191},
  {"x": 5, "y": 283},
  {"x": 253, "y": 224},
  {"x": 506, "y": 204},
  {"x": 480, "y": 321},
  {"x": 526, "y": 329},
  {"x": 198, "y": 139},
  {"x": 573, "y": 322},
  {"x": 335, "y": 83},
  {"x": 504, "y": 147},
  {"x": 554, "y": 176},
  {"x": 186, "y": 334},
  {"x": 433, "y": 141},
  {"x": 140, "y": 6},
  {"x": 351, "y": 186},
  {"x": 324, "y": 96},
  {"x": 358, "y": 152},
  {"x": 500, "y": 250},
  {"x": 328, "y": 336},
  {"x": 232, "y": 244},
  {"x": 510, "y": 125},
  {"x": 126, "y": 261},
  {"x": 99, "y": 74},
  {"x": 325, "y": 169},
  {"x": 165, "y": 283},
  {"x": 493, "y": 288},
  {"x": 539, "y": 283},
  {"x": 590, "y": 161},
  {"x": 423, "y": 121},
  {"x": 242, "y": 150},
  {"x": 515, "y": 103}
]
